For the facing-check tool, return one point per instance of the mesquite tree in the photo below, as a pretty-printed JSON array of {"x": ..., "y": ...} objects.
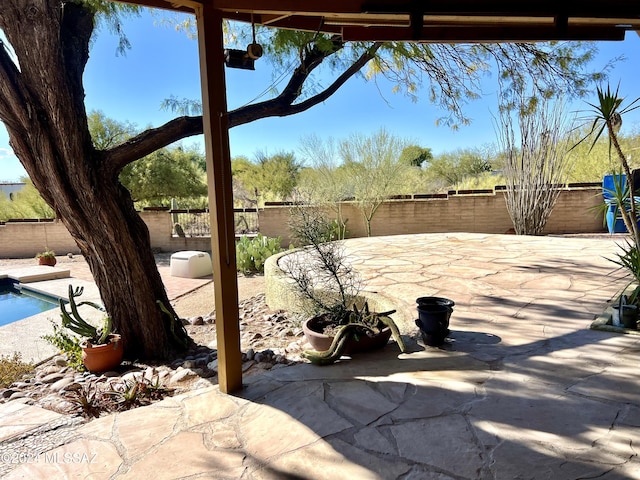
[{"x": 42, "y": 107}]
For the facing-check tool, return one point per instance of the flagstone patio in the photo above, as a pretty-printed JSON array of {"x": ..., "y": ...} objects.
[{"x": 522, "y": 389}]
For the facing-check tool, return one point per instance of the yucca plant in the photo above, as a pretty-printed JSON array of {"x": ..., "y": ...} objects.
[{"x": 607, "y": 115}]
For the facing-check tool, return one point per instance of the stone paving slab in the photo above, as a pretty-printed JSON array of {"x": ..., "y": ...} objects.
[
  {"x": 522, "y": 389},
  {"x": 33, "y": 273},
  {"x": 17, "y": 418}
]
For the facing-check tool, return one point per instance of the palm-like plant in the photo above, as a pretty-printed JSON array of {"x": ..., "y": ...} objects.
[{"x": 608, "y": 115}]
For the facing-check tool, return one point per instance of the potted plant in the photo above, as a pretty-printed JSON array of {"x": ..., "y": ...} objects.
[
  {"x": 608, "y": 117},
  {"x": 102, "y": 350},
  {"x": 338, "y": 319},
  {"x": 354, "y": 330},
  {"x": 48, "y": 257}
]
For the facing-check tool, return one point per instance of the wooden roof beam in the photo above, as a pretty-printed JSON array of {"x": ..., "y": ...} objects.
[
  {"x": 584, "y": 8},
  {"x": 471, "y": 34},
  {"x": 185, "y": 6}
]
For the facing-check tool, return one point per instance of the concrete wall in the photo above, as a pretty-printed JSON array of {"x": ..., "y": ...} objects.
[
  {"x": 473, "y": 212},
  {"x": 25, "y": 239},
  {"x": 476, "y": 213}
]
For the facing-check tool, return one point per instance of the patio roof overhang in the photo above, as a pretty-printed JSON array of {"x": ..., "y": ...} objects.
[{"x": 434, "y": 21}]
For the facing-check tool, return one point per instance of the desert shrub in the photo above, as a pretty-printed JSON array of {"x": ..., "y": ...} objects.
[
  {"x": 68, "y": 344},
  {"x": 252, "y": 253},
  {"x": 12, "y": 368}
]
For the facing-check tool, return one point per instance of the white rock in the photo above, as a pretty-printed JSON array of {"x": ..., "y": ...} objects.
[{"x": 181, "y": 376}]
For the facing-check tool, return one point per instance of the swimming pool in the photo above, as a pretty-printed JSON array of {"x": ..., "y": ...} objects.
[{"x": 18, "y": 303}]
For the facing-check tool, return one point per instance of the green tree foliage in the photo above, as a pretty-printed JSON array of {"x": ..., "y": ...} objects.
[
  {"x": 107, "y": 132},
  {"x": 324, "y": 182},
  {"x": 416, "y": 156},
  {"x": 165, "y": 174},
  {"x": 453, "y": 73},
  {"x": 453, "y": 168},
  {"x": 337, "y": 170},
  {"x": 593, "y": 161},
  {"x": 110, "y": 15},
  {"x": 169, "y": 173},
  {"x": 482, "y": 181},
  {"x": 278, "y": 174},
  {"x": 27, "y": 203},
  {"x": 269, "y": 178},
  {"x": 373, "y": 169}
]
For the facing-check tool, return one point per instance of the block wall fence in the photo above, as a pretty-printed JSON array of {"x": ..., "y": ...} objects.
[
  {"x": 474, "y": 211},
  {"x": 25, "y": 239}
]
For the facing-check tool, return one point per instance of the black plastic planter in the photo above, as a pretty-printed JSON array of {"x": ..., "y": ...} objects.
[
  {"x": 433, "y": 320},
  {"x": 629, "y": 317},
  {"x": 427, "y": 301}
]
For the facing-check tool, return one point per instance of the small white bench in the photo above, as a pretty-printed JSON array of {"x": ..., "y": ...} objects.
[{"x": 190, "y": 264}]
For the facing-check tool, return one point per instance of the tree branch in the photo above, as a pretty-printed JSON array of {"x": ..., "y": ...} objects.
[
  {"x": 282, "y": 105},
  {"x": 12, "y": 104},
  {"x": 151, "y": 140},
  {"x": 75, "y": 34}
]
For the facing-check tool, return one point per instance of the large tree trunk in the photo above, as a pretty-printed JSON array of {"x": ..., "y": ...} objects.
[{"x": 42, "y": 106}]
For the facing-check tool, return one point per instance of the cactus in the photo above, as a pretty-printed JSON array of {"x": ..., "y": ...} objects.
[
  {"x": 251, "y": 254},
  {"x": 337, "y": 346},
  {"x": 376, "y": 321},
  {"x": 352, "y": 324},
  {"x": 395, "y": 332},
  {"x": 74, "y": 322}
]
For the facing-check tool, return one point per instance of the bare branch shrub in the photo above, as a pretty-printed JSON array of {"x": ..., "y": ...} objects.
[
  {"x": 320, "y": 271},
  {"x": 536, "y": 161}
]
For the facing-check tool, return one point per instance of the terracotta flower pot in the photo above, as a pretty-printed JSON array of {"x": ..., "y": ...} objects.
[
  {"x": 314, "y": 326},
  {"x": 102, "y": 358},
  {"x": 50, "y": 261}
]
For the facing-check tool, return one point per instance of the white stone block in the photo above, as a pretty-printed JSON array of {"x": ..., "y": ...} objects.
[{"x": 190, "y": 264}]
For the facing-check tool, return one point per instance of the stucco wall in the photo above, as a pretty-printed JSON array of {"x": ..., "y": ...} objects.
[
  {"x": 25, "y": 239},
  {"x": 476, "y": 213},
  {"x": 479, "y": 213}
]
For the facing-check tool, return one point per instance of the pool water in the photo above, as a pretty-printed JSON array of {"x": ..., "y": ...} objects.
[{"x": 16, "y": 304}]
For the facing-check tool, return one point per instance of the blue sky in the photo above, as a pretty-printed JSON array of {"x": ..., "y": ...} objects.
[{"x": 163, "y": 62}]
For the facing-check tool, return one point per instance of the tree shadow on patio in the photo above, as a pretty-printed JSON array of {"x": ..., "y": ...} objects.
[{"x": 448, "y": 412}]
